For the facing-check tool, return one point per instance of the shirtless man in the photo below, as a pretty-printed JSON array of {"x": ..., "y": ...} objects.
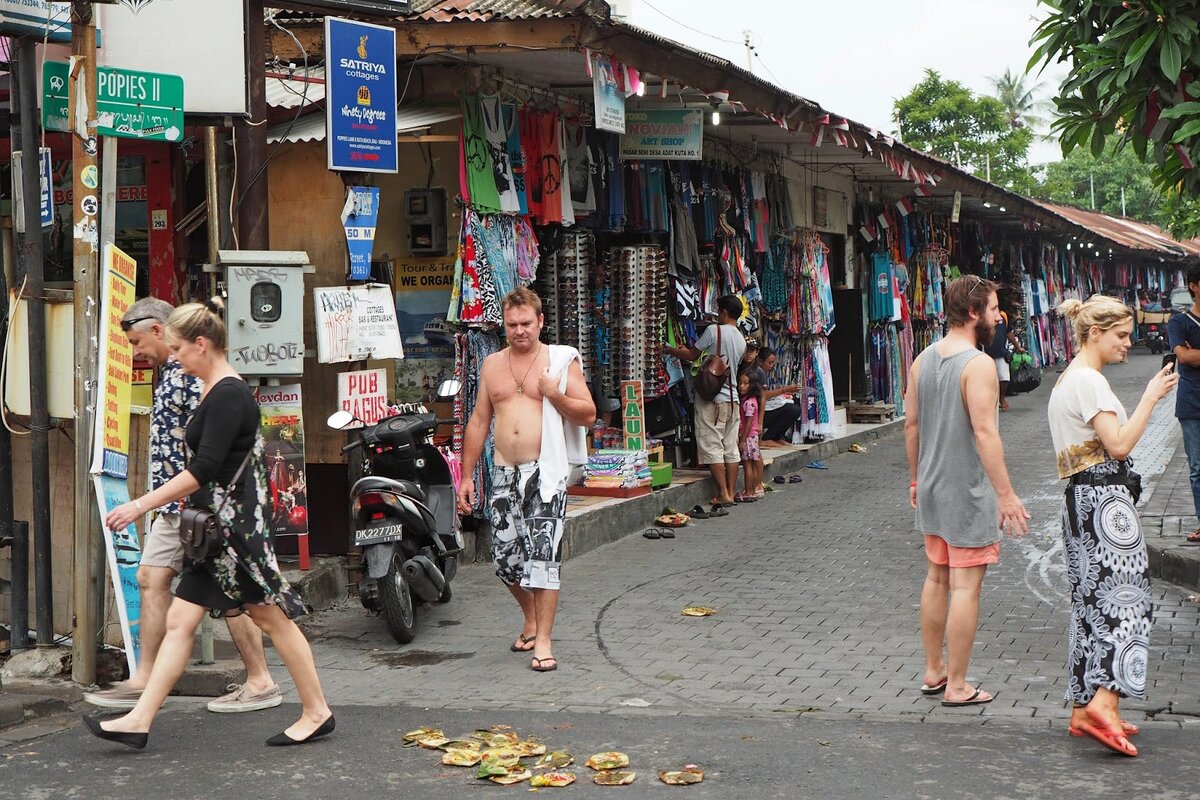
[{"x": 529, "y": 485}]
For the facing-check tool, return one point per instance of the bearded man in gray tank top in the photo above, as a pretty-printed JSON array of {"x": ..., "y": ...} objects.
[{"x": 960, "y": 487}]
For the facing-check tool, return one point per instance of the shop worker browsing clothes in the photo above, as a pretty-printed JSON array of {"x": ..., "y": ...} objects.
[
  {"x": 176, "y": 397},
  {"x": 960, "y": 486},
  {"x": 1184, "y": 333},
  {"x": 539, "y": 401}
]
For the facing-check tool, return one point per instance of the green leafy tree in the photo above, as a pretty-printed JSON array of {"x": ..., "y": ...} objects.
[
  {"x": 1019, "y": 100},
  {"x": 1180, "y": 215},
  {"x": 1133, "y": 69},
  {"x": 947, "y": 119},
  {"x": 1071, "y": 181}
]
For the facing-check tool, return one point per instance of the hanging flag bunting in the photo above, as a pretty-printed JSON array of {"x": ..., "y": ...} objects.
[{"x": 904, "y": 206}]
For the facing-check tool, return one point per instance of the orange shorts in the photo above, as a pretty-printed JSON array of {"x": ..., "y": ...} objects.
[{"x": 940, "y": 552}]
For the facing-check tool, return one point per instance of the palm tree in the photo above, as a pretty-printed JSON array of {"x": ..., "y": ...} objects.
[{"x": 1019, "y": 101}]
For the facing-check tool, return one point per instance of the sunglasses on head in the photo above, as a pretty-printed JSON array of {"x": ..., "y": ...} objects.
[{"x": 127, "y": 324}]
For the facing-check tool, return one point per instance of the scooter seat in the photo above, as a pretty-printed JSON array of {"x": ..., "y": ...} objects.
[{"x": 375, "y": 483}]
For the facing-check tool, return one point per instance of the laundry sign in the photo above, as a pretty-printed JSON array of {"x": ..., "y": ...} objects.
[
  {"x": 674, "y": 135},
  {"x": 633, "y": 415}
]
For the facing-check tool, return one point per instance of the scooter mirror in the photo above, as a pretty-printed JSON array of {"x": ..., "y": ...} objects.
[
  {"x": 340, "y": 419},
  {"x": 449, "y": 388}
]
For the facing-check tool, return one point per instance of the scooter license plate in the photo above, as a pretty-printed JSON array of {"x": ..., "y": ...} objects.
[{"x": 378, "y": 534}]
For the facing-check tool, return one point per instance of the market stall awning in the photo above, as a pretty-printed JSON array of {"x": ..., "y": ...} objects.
[
  {"x": 1135, "y": 235},
  {"x": 311, "y": 127}
]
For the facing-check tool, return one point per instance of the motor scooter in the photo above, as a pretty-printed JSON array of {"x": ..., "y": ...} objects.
[
  {"x": 1155, "y": 340},
  {"x": 402, "y": 513}
]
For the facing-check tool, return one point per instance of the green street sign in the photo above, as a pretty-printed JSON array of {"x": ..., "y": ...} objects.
[{"x": 131, "y": 105}]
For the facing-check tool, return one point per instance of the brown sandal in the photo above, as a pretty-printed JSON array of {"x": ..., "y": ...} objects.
[{"x": 1194, "y": 536}]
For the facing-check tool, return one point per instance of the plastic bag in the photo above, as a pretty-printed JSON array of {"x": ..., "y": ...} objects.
[{"x": 1025, "y": 378}]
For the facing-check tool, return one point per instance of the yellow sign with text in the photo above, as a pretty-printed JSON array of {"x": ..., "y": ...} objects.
[{"x": 115, "y": 373}]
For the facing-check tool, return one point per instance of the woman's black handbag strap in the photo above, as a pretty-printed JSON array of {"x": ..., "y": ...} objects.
[{"x": 237, "y": 477}]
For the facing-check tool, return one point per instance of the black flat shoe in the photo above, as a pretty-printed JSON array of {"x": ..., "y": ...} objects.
[
  {"x": 283, "y": 740},
  {"x": 135, "y": 740}
]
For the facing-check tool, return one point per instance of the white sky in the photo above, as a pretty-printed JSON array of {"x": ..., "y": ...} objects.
[{"x": 854, "y": 57}]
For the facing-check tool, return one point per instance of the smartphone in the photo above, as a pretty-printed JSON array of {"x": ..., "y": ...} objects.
[{"x": 1169, "y": 358}]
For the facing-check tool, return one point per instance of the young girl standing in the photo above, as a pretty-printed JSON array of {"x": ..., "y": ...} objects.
[{"x": 750, "y": 392}]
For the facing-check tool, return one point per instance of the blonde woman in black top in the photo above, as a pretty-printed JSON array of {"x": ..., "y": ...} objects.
[{"x": 243, "y": 574}]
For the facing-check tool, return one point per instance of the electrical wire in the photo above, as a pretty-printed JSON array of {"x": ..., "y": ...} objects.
[
  {"x": 778, "y": 82},
  {"x": 685, "y": 25},
  {"x": 4, "y": 362},
  {"x": 282, "y": 140}
]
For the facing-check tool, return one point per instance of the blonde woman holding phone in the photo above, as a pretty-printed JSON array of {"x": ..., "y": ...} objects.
[{"x": 1108, "y": 633}]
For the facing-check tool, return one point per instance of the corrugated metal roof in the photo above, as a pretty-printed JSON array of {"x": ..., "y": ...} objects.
[
  {"x": 303, "y": 86},
  {"x": 311, "y": 127},
  {"x": 485, "y": 10},
  {"x": 1132, "y": 234}
]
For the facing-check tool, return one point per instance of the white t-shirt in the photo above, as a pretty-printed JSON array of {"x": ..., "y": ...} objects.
[
  {"x": 733, "y": 347},
  {"x": 1080, "y": 394}
]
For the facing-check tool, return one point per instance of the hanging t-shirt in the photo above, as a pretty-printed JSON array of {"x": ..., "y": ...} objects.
[
  {"x": 579, "y": 158},
  {"x": 530, "y": 144},
  {"x": 516, "y": 155},
  {"x": 497, "y": 142},
  {"x": 552, "y": 167},
  {"x": 880, "y": 304},
  {"x": 481, "y": 178},
  {"x": 566, "y": 208}
]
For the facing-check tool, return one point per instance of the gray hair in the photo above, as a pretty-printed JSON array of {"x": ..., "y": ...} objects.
[{"x": 147, "y": 311}]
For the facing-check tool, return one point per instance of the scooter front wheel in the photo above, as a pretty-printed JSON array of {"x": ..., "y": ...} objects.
[{"x": 396, "y": 600}]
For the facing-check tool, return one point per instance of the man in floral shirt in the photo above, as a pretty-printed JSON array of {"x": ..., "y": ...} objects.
[{"x": 175, "y": 398}]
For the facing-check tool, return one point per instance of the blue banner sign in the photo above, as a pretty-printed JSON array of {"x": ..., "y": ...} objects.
[
  {"x": 360, "y": 226},
  {"x": 360, "y": 88}
]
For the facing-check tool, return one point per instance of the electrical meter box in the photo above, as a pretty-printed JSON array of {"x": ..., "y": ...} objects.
[
  {"x": 425, "y": 210},
  {"x": 264, "y": 311}
]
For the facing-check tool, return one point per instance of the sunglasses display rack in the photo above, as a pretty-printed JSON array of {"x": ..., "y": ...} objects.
[
  {"x": 567, "y": 297},
  {"x": 638, "y": 277}
]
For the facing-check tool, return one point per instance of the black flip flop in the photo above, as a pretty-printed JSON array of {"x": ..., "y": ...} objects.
[
  {"x": 524, "y": 640},
  {"x": 698, "y": 512},
  {"x": 973, "y": 700},
  {"x": 666, "y": 533},
  {"x": 718, "y": 510},
  {"x": 652, "y": 533}
]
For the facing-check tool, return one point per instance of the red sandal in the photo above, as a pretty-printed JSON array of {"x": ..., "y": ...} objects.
[{"x": 1113, "y": 740}]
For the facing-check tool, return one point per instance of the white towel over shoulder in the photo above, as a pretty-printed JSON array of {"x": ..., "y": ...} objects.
[{"x": 564, "y": 444}]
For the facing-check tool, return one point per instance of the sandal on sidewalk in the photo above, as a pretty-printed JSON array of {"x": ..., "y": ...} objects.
[
  {"x": 1193, "y": 537},
  {"x": 539, "y": 664},
  {"x": 698, "y": 512}
]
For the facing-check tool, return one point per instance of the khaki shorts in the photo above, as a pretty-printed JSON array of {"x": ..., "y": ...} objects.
[
  {"x": 1002, "y": 370},
  {"x": 941, "y": 552},
  {"x": 163, "y": 547},
  {"x": 717, "y": 432}
]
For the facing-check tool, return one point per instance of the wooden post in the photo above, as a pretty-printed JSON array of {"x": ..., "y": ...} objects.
[
  {"x": 89, "y": 545},
  {"x": 250, "y": 137}
]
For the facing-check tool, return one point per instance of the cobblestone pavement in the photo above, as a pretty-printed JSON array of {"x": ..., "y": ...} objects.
[{"x": 816, "y": 589}]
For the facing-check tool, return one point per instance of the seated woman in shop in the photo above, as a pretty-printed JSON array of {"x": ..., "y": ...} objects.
[{"x": 781, "y": 413}]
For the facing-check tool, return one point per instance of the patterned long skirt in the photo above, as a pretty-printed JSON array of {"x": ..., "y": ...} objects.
[{"x": 1111, "y": 605}]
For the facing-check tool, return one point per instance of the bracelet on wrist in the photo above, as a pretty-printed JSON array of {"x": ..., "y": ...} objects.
[{"x": 137, "y": 503}]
